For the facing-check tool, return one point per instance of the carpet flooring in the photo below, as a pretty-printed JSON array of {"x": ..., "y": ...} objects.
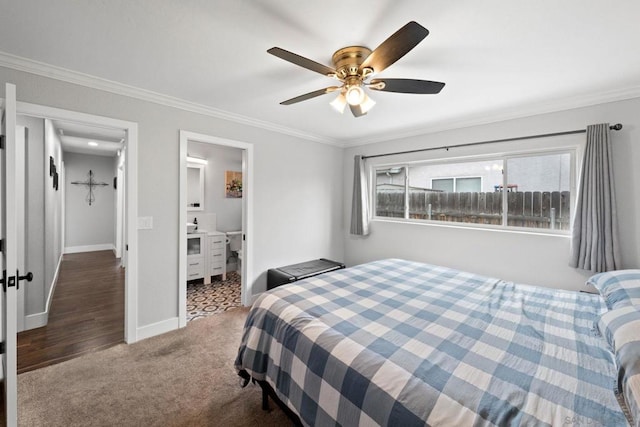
[
  {"x": 216, "y": 297},
  {"x": 182, "y": 378}
]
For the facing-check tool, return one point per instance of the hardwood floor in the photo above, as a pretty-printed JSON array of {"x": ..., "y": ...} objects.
[{"x": 87, "y": 312}]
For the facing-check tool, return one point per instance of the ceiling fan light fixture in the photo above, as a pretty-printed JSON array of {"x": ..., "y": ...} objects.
[
  {"x": 366, "y": 72},
  {"x": 367, "y": 104},
  {"x": 339, "y": 103},
  {"x": 355, "y": 95}
]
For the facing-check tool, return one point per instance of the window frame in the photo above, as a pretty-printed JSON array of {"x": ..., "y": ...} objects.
[{"x": 503, "y": 157}]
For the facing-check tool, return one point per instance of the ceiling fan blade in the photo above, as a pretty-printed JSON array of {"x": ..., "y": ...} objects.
[
  {"x": 395, "y": 47},
  {"x": 310, "y": 95},
  {"x": 406, "y": 86},
  {"x": 356, "y": 110},
  {"x": 301, "y": 61}
]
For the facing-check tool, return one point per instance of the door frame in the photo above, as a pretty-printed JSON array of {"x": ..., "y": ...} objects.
[
  {"x": 21, "y": 189},
  {"x": 131, "y": 177},
  {"x": 247, "y": 217},
  {"x": 119, "y": 208},
  {"x": 11, "y": 218}
]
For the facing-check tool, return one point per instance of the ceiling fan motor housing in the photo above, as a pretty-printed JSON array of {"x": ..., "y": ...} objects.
[{"x": 347, "y": 61}]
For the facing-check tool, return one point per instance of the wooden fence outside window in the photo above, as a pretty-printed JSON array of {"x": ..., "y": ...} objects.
[{"x": 532, "y": 209}]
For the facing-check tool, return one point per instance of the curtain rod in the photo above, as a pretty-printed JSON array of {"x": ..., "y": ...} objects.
[{"x": 617, "y": 126}]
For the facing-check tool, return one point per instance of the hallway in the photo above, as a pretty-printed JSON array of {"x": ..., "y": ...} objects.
[{"x": 87, "y": 312}]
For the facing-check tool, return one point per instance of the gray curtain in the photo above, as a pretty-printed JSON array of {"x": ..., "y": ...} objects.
[
  {"x": 594, "y": 245},
  {"x": 360, "y": 199}
]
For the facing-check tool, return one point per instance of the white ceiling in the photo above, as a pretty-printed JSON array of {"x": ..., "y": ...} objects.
[
  {"x": 75, "y": 138},
  {"x": 499, "y": 59}
]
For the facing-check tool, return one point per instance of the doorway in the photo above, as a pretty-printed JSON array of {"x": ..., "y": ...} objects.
[
  {"x": 75, "y": 302},
  {"x": 129, "y": 145},
  {"x": 12, "y": 182},
  {"x": 244, "y": 247}
]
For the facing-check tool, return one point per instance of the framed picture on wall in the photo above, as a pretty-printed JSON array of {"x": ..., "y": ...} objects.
[{"x": 233, "y": 184}]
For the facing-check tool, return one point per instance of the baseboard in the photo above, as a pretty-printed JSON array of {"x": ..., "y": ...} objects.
[
  {"x": 157, "y": 328},
  {"x": 52, "y": 288},
  {"x": 38, "y": 320},
  {"x": 89, "y": 248}
]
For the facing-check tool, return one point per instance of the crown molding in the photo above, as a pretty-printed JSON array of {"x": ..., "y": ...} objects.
[
  {"x": 504, "y": 115},
  {"x": 52, "y": 71}
]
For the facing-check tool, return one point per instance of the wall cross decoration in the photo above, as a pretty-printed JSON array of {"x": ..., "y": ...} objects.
[{"x": 90, "y": 183}]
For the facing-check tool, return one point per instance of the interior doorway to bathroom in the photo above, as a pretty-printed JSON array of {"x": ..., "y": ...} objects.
[{"x": 215, "y": 220}]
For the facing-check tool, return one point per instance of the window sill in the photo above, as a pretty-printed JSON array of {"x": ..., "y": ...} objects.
[{"x": 466, "y": 226}]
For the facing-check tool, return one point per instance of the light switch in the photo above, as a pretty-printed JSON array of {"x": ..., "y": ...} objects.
[{"x": 145, "y": 222}]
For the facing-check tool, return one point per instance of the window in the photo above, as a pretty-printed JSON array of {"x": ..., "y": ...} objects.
[
  {"x": 443, "y": 184},
  {"x": 527, "y": 191},
  {"x": 543, "y": 195},
  {"x": 390, "y": 190},
  {"x": 457, "y": 185}
]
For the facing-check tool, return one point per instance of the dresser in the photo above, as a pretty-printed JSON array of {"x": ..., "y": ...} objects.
[
  {"x": 216, "y": 255},
  {"x": 206, "y": 255},
  {"x": 196, "y": 248}
]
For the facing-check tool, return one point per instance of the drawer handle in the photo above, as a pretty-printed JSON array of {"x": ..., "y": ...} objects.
[
  {"x": 217, "y": 241},
  {"x": 197, "y": 263},
  {"x": 194, "y": 274},
  {"x": 217, "y": 254}
]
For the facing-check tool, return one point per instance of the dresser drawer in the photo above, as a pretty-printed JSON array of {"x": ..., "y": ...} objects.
[
  {"x": 215, "y": 270},
  {"x": 216, "y": 242},
  {"x": 216, "y": 255},
  {"x": 195, "y": 268},
  {"x": 217, "y": 262}
]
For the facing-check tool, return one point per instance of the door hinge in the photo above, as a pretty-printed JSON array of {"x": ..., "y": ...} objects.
[
  {"x": 126, "y": 247},
  {"x": 2, "y": 245},
  {"x": 2, "y": 347},
  {"x": 2, "y": 142}
]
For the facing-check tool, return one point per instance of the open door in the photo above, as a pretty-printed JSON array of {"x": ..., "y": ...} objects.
[{"x": 12, "y": 168}]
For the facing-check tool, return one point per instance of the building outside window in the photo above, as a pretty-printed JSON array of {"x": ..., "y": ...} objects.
[{"x": 457, "y": 184}]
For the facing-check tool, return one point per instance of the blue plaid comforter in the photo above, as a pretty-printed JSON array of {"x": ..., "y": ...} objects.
[{"x": 400, "y": 343}]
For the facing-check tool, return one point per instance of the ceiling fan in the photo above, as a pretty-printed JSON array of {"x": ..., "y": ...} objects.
[{"x": 355, "y": 65}]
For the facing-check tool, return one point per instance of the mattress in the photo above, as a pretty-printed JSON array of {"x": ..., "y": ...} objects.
[{"x": 401, "y": 343}]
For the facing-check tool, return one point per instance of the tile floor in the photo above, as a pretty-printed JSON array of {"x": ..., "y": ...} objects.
[{"x": 216, "y": 297}]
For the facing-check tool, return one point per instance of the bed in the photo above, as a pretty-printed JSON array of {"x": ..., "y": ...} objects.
[{"x": 400, "y": 343}]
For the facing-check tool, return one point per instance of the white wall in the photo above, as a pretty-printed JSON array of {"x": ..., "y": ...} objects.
[
  {"x": 89, "y": 225},
  {"x": 52, "y": 207},
  {"x": 220, "y": 159},
  {"x": 526, "y": 258},
  {"x": 298, "y": 186},
  {"x": 37, "y": 174},
  {"x": 43, "y": 216}
]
